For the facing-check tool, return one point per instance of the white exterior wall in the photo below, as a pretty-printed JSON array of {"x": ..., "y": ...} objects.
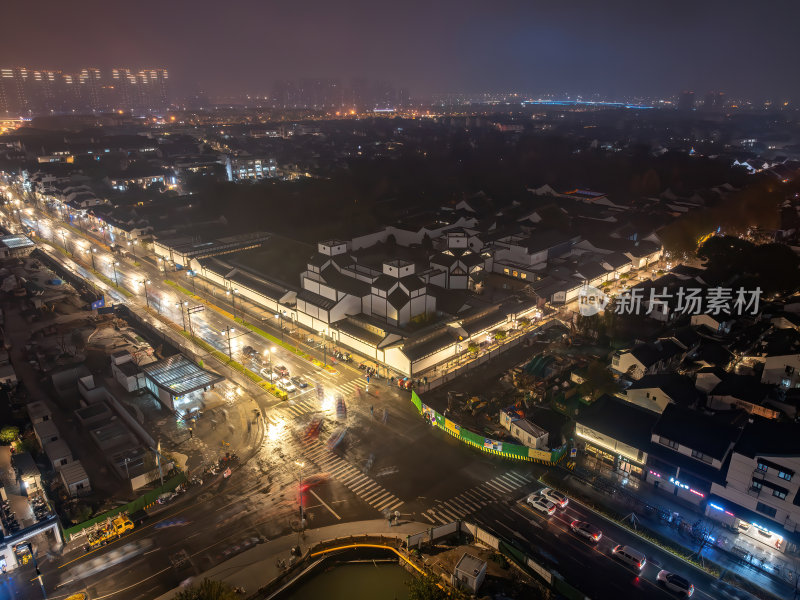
[
  {"x": 396, "y": 360},
  {"x": 652, "y": 399},
  {"x": 349, "y": 305},
  {"x": 608, "y": 443},
  {"x": 739, "y": 480}
]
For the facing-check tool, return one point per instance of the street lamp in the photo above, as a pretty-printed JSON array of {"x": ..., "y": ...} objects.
[
  {"x": 144, "y": 282},
  {"x": 269, "y": 352},
  {"x": 228, "y": 331},
  {"x": 324, "y": 349},
  {"x": 64, "y": 239},
  {"x": 300, "y": 465},
  {"x": 280, "y": 315},
  {"x": 92, "y": 253},
  {"x": 232, "y": 293},
  {"x": 132, "y": 245},
  {"x": 114, "y": 265}
]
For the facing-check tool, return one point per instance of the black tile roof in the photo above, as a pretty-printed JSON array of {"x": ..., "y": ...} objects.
[
  {"x": 768, "y": 437},
  {"x": 708, "y": 434},
  {"x": 621, "y": 420},
  {"x": 650, "y": 353},
  {"x": 744, "y": 387}
]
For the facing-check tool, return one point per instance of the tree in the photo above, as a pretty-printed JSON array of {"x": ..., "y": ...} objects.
[
  {"x": 9, "y": 434},
  {"x": 473, "y": 348},
  {"x": 499, "y": 335},
  {"x": 208, "y": 590},
  {"x": 422, "y": 588},
  {"x": 598, "y": 381}
]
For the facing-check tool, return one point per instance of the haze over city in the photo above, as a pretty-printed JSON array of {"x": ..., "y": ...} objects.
[
  {"x": 413, "y": 300},
  {"x": 613, "y": 49}
]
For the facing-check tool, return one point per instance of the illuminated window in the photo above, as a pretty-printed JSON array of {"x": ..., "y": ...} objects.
[
  {"x": 786, "y": 476},
  {"x": 523, "y": 275},
  {"x": 505, "y": 271},
  {"x": 779, "y": 494}
]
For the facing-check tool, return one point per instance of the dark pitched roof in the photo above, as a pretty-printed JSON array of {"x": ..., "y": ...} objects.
[
  {"x": 744, "y": 387},
  {"x": 412, "y": 282},
  {"x": 769, "y": 437},
  {"x": 384, "y": 282},
  {"x": 315, "y": 299},
  {"x": 679, "y": 388},
  {"x": 708, "y": 434},
  {"x": 621, "y": 420},
  {"x": 415, "y": 351},
  {"x": 398, "y": 298},
  {"x": 344, "y": 283},
  {"x": 649, "y": 354}
]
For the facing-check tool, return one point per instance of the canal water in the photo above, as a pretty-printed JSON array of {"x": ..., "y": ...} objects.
[{"x": 360, "y": 581}]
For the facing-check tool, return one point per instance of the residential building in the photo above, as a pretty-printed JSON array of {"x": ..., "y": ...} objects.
[
  {"x": 469, "y": 573},
  {"x": 759, "y": 495},
  {"x": 656, "y": 392}
]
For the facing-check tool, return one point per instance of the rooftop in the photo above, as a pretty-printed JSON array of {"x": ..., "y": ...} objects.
[
  {"x": 178, "y": 375},
  {"x": 705, "y": 433},
  {"x": 621, "y": 420}
]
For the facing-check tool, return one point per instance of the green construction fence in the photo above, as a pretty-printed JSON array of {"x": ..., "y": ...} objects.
[
  {"x": 138, "y": 504},
  {"x": 496, "y": 447}
]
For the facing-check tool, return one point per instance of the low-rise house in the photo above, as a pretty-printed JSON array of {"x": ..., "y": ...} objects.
[
  {"x": 58, "y": 453},
  {"x": 760, "y": 495},
  {"x": 617, "y": 434},
  {"x": 648, "y": 358},
  {"x": 46, "y": 432},
  {"x": 690, "y": 451},
  {"x": 469, "y": 573},
  {"x": 745, "y": 392},
  {"x": 655, "y": 392},
  {"x": 527, "y": 432},
  {"x": 75, "y": 479}
]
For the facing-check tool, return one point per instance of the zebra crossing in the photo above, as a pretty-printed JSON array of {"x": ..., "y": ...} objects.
[
  {"x": 470, "y": 501},
  {"x": 308, "y": 402},
  {"x": 357, "y": 482}
]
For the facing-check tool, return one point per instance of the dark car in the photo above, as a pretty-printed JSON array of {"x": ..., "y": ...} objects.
[{"x": 299, "y": 382}]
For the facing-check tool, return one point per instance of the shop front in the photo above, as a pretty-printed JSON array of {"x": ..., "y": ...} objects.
[{"x": 750, "y": 525}]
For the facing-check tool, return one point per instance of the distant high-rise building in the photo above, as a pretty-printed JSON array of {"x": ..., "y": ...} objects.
[
  {"x": 686, "y": 101},
  {"x": 26, "y": 91},
  {"x": 714, "y": 101}
]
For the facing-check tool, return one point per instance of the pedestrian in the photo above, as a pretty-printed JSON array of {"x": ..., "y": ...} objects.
[
  {"x": 372, "y": 411},
  {"x": 191, "y": 433}
]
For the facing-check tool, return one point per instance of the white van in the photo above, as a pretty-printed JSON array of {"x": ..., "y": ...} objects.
[{"x": 630, "y": 556}]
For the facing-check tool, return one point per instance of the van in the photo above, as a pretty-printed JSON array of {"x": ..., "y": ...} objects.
[{"x": 630, "y": 556}]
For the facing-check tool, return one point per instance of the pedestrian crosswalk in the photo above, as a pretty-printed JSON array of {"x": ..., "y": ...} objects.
[
  {"x": 468, "y": 502},
  {"x": 357, "y": 482},
  {"x": 307, "y": 402}
]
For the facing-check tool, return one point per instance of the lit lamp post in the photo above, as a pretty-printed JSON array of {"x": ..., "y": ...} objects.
[
  {"x": 269, "y": 352},
  {"x": 64, "y": 239},
  {"x": 144, "y": 282},
  {"x": 132, "y": 245},
  {"x": 324, "y": 349},
  {"x": 114, "y": 265},
  {"x": 280, "y": 315},
  {"x": 92, "y": 253},
  {"x": 300, "y": 465},
  {"x": 228, "y": 331}
]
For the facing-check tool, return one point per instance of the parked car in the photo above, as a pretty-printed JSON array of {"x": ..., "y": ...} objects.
[
  {"x": 555, "y": 497},
  {"x": 675, "y": 583},
  {"x": 630, "y": 556},
  {"x": 268, "y": 375},
  {"x": 282, "y": 371},
  {"x": 586, "y": 530},
  {"x": 287, "y": 385},
  {"x": 299, "y": 382},
  {"x": 541, "y": 504},
  {"x": 249, "y": 351}
]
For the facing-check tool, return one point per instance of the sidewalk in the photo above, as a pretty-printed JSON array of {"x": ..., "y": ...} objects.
[
  {"x": 777, "y": 580},
  {"x": 256, "y": 567}
]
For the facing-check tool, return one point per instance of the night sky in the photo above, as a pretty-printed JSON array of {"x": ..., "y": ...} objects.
[{"x": 614, "y": 48}]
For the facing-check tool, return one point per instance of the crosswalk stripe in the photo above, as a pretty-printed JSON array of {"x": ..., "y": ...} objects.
[
  {"x": 512, "y": 482},
  {"x": 349, "y": 477},
  {"x": 476, "y": 497},
  {"x": 397, "y": 505},
  {"x": 490, "y": 490},
  {"x": 503, "y": 485},
  {"x": 384, "y": 504},
  {"x": 380, "y": 498},
  {"x": 496, "y": 488},
  {"x": 357, "y": 490},
  {"x": 517, "y": 477},
  {"x": 371, "y": 494},
  {"x": 448, "y": 515},
  {"x": 336, "y": 471}
]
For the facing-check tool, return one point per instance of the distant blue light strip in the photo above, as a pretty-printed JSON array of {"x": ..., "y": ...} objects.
[{"x": 585, "y": 103}]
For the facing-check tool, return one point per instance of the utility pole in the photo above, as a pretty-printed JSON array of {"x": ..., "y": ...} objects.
[
  {"x": 146, "y": 299},
  {"x": 114, "y": 265},
  {"x": 183, "y": 318},
  {"x": 228, "y": 331},
  {"x": 324, "y": 349}
]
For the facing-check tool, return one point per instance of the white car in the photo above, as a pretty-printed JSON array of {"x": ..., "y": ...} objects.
[
  {"x": 586, "y": 530},
  {"x": 542, "y": 504},
  {"x": 287, "y": 385},
  {"x": 675, "y": 583},
  {"x": 555, "y": 497}
]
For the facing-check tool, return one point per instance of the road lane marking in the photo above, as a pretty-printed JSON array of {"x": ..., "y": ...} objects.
[{"x": 325, "y": 504}]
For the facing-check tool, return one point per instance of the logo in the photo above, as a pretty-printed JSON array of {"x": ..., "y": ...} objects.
[{"x": 591, "y": 301}]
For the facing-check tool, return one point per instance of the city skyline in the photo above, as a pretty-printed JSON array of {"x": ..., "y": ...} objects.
[{"x": 615, "y": 51}]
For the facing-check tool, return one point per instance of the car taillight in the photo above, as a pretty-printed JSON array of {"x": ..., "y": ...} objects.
[
  {"x": 572, "y": 524},
  {"x": 595, "y": 536}
]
